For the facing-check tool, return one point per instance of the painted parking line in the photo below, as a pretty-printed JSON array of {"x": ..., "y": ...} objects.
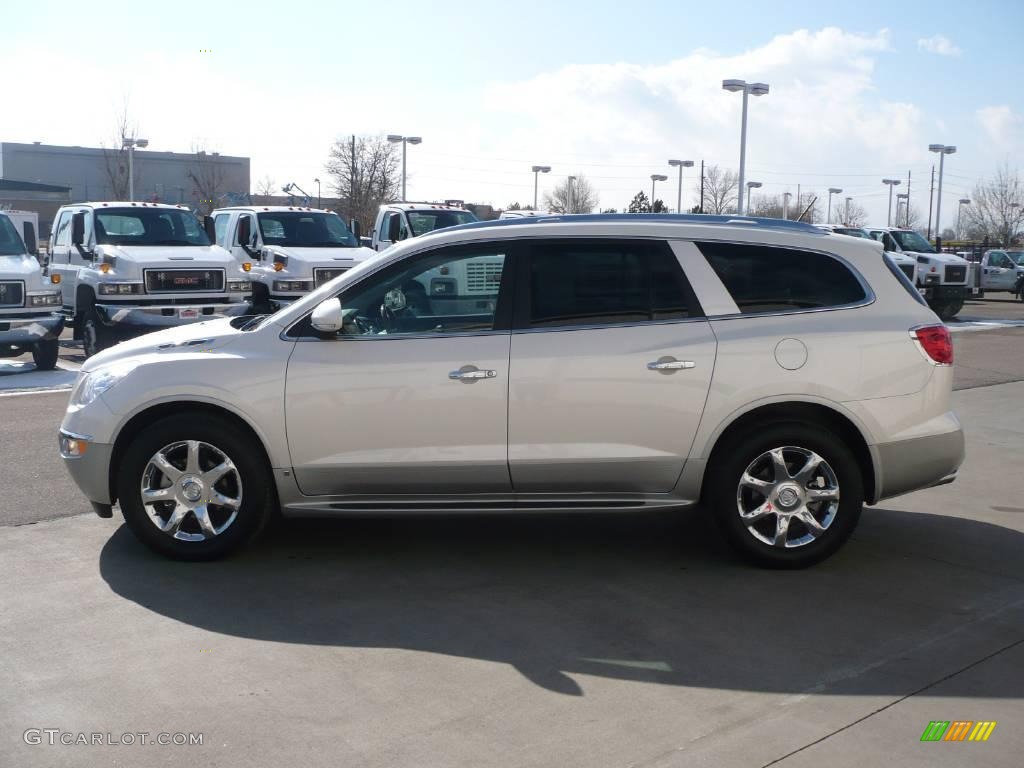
[
  {"x": 20, "y": 377},
  {"x": 966, "y": 325}
]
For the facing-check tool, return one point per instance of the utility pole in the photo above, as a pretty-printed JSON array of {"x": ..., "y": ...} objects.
[
  {"x": 931, "y": 198},
  {"x": 352, "y": 183},
  {"x": 907, "y": 222},
  {"x": 702, "y": 186}
]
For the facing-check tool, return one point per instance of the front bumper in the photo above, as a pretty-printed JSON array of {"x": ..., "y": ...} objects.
[
  {"x": 91, "y": 470},
  {"x": 920, "y": 462},
  {"x": 31, "y": 330},
  {"x": 168, "y": 316},
  {"x": 940, "y": 292}
]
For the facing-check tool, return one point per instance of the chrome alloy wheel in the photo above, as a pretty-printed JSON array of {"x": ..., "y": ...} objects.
[
  {"x": 788, "y": 497},
  {"x": 191, "y": 490}
]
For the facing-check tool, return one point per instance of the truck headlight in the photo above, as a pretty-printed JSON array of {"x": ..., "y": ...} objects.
[
  {"x": 112, "y": 289},
  {"x": 293, "y": 285},
  {"x": 94, "y": 383},
  {"x": 44, "y": 299},
  {"x": 239, "y": 285}
]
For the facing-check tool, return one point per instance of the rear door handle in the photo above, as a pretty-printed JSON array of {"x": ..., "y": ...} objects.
[
  {"x": 670, "y": 364},
  {"x": 470, "y": 373}
]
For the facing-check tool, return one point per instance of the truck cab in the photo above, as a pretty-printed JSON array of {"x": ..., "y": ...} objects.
[
  {"x": 291, "y": 249},
  {"x": 400, "y": 221},
  {"x": 126, "y": 268},
  {"x": 30, "y": 302},
  {"x": 943, "y": 278},
  {"x": 1001, "y": 270}
]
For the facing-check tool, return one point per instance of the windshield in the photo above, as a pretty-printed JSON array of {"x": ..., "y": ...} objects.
[
  {"x": 912, "y": 241},
  {"x": 306, "y": 229},
  {"x": 10, "y": 240},
  {"x": 427, "y": 221},
  {"x": 148, "y": 226},
  {"x": 852, "y": 232},
  {"x": 1017, "y": 257}
]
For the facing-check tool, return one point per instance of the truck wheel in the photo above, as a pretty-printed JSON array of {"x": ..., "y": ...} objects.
[
  {"x": 44, "y": 354},
  {"x": 193, "y": 487},
  {"x": 261, "y": 300},
  {"x": 786, "y": 494},
  {"x": 95, "y": 335}
]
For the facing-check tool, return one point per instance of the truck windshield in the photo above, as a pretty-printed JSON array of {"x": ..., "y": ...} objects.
[
  {"x": 148, "y": 226},
  {"x": 912, "y": 241},
  {"x": 1017, "y": 257},
  {"x": 427, "y": 221},
  {"x": 10, "y": 240},
  {"x": 852, "y": 232},
  {"x": 306, "y": 229}
]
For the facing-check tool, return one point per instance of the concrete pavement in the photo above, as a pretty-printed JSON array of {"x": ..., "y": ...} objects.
[{"x": 572, "y": 641}]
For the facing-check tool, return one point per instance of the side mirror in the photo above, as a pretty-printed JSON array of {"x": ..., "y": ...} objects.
[
  {"x": 244, "y": 231},
  {"x": 327, "y": 317},
  {"x": 357, "y": 230},
  {"x": 210, "y": 228},
  {"x": 394, "y": 227},
  {"x": 29, "y": 232},
  {"x": 78, "y": 229}
]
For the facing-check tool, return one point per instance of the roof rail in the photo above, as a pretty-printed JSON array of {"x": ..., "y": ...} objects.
[{"x": 785, "y": 225}]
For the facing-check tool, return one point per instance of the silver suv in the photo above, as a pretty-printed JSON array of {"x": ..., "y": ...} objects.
[{"x": 779, "y": 374}]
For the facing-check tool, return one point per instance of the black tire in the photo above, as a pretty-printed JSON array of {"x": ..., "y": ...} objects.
[
  {"x": 254, "y": 486},
  {"x": 261, "y": 300},
  {"x": 724, "y": 487},
  {"x": 96, "y": 336},
  {"x": 44, "y": 354}
]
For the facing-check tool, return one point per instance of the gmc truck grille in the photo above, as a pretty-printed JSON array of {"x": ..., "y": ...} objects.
[
  {"x": 908, "y": 270},
  {"x": 178, "y": 280},
  {"x": 12, "y": 293},
  {"x": 483, "y": 276},
  {"x": 956, "y": 274},
  {"x": 321, "y": 276}
]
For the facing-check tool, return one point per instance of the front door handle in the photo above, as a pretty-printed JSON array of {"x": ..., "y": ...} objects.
[
  {"x": 470, "y": 373},
  {"x": 669, "y": 364}
]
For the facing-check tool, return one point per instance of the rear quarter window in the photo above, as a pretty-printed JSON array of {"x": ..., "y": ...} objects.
[{"x": 763, "y": 278}]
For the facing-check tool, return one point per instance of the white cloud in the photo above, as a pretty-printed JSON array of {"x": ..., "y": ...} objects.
[
  {"x": 939, "y": 44},
  {"x": 1000, "y": 122}
]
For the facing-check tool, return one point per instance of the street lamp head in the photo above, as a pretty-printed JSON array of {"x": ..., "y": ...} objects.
[
  {"x": 659, "y": 177},
  {"x": 943, "y": 148},
  {"x": 541, "y": 169},
  {"x": 834, "y": 190},
  {"x": 734, "y": 85},
  {"x": 414, "y": 139},
  {"x": 753, "y": 184},
  {"x": 394, "y": 138},
  {"x": 571, "y": 178},
  {"x": 891, "y": 182},
  {"x": 965, "y": 201},
  {"x": 143, "y": 143},
  {"x": 681, "y": 163},
  {"x": 758, "y": 89},
  {"x": 316, "y": 181}
]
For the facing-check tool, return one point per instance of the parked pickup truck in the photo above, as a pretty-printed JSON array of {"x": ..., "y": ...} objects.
[
  {"x": 129, "y": 268},
  {"x": 906, "y": 264},
  {"x": 399, "y": 221},
  {"x": 942, "y": 277},
  {"x": 292, "y": 249},
  {"x": 30, "y": 316},
  {"x": 1002, "y": 270}
]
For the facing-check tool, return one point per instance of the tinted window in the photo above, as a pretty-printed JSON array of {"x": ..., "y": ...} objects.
[
  {"x": 768, "y": 279},
  {"x": 306, "y": 228},
  {"x": 10, "y": 241},
  {"x": 604, "y": 283}
]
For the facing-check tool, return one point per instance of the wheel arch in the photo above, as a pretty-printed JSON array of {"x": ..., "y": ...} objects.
[
  {"x": 139, "y": 421},
  {"x": 814, "y": 413}
]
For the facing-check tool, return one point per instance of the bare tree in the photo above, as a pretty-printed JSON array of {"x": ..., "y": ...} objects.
[
  {"x": 719, "y": 190},
  {"x": 583, "y": 197},
  {"x": 207, "y": 177},
  {"x": 115, "y": 156},
  {"x": 266, "y": 187},
  {"x": 997, "y": 207},
  {"x": 364, "y": 173}
]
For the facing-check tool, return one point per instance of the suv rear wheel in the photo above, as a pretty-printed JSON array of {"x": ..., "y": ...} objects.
[
  {"x": 786, "y": 495},
  {"x": 192, "y": 487}
]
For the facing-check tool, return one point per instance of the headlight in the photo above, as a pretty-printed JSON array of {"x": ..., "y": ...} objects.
[
  {"x": 239, "y": 285},
  {"x": 94, "y": 383},
  {"x": 293, "y": 285},
  {"x": 44, "y": 299},
  {"x": 110, "y": 289}
]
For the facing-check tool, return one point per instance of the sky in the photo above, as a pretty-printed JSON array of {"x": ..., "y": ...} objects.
[{"x": 608, "y": 90}]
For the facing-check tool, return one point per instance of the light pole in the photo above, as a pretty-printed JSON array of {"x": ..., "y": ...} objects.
[
  {"x": 943, "y": 150},
  {"x": 406, "y": 140},
  {"x": 538, "y": 169},
  {"x": 748, "y": 89},
  {"x": 1010, "y": 230},
  {"x": 679, "y": 195},
  {"x": 902, "y": 198},
  {"x": 891, "y": 183},
  {"x": 568, "y": 193},
  {"x": 959, "y": 210},
  {"x": 785, "y": 204},
  {"x": 751, "y": 185},
  {"x": 831, "y": 191},
  {"x": 318, "y": 193},
  {"x": 656, "y": 177},
  {"x": 130, "y": 145},
  {"x": 846, "y": 215}
]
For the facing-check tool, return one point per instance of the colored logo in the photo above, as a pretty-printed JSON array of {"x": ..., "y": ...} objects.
[{"x": 958, "y": 730}]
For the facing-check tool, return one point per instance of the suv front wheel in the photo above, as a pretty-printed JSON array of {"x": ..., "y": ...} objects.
[
  {"x": 193, "y": 487},
  {"x": 786, "y": 495}
]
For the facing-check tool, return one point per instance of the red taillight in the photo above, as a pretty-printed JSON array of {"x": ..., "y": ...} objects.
[{"x": 936, "y": 342}]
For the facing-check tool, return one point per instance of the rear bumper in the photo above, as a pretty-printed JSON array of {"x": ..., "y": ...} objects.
[
  {"x": 170, "y": 315},
  {"x": 31, "y": 330},
  {"x": 942, "y": 292},
  {"x": 920, "y": 462}
]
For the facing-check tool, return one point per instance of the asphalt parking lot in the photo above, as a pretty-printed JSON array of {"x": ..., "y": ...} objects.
[{"x": 536, "y": 641}]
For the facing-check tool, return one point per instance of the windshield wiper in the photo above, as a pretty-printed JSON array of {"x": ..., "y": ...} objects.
[{"x": 173, "y": 242}]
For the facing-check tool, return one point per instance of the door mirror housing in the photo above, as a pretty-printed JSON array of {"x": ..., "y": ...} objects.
[
  {"x": 357, "y": 230},
  {"x": 327, "y": 317},
  {"x": 394, "y": 227},
  {"x": 210, "y": 229},
  {"x": 29, "y": 234},
  {"x": 78, "y": 229},
  {"x": 246, "y": 235}
]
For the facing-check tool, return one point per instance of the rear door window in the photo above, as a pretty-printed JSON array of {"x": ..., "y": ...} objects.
[{"x": 763, "y": 278}]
